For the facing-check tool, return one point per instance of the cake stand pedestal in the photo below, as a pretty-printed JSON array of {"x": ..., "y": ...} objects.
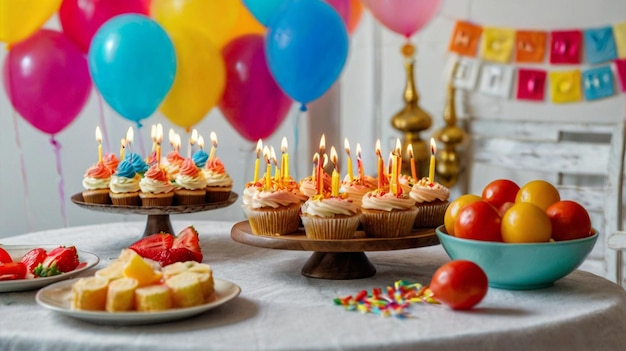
[
  {"x": 335, "y": 259},
  {"x": 158, "y": 216}
]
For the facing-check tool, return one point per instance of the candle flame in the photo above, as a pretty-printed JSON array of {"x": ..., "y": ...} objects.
[
  {"x": 266, "y": 154},
  {"x": 123, "y": 142},
  {"x": 377, "y": 146},
  {"x": 325, "y": 160},
  {"x": 283, "y": 144},
  {"x": 98, "y": 135},
  {"x": 322, "y": 144},
  {"x": 316, "y": 158},
  {"x": 201, "y": 142},
  {"x": 398, "y": 149},
  {"x": 409, "y": 150},
  {"x": 273, "y": 156},
  {"x": 346, "y": 145},
  {"x": 433, "y": 146},
  {"x": 358, "y": 151},
  {"x": 194, "y": 137},
  {"x": 172, "y": 137},
  {"x": 259, "y": 147},
  {"x": 130, "y": 135},
  {"x": 159, "y": 133},
  {"x": 333, "y": 157},
  {"x": 213, "y": 137},
  {"x": 153, "y": 133}
]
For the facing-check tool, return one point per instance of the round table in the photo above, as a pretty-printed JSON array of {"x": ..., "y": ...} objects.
[{"x": 280, "y": 309}]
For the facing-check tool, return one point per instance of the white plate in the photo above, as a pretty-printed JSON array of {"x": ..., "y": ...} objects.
[
  {"x": 58, "y": 297},
  {"x": 87, "y": 260}
]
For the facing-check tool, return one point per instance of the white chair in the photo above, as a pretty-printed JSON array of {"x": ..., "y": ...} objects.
[{"x": 584, "y": 161}]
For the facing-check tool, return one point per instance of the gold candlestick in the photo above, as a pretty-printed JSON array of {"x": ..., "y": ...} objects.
[
  {"x": 412, "y": 119},
  {"x": 448, "y": 165}
]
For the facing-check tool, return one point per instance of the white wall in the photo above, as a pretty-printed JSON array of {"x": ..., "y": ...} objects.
[{"x": 364, "y": 105}]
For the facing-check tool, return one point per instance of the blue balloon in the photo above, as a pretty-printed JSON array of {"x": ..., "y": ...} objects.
[
  {"x": 132, "y": 63},
  {"x": 306, "y": 47},
  {"x": 263, "y": 10}
]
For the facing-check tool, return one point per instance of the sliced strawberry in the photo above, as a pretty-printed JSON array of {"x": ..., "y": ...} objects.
[
  {"x": 12, "y": 270},
  {"x": 33, "y": 258},
  {"x": 175, "y": 254},
  {"x": 59, "y": 260},
  {"x": 152, "y": 245},
  {"x": 189, "y": 239},
  {"x": 4, "y": 256}
]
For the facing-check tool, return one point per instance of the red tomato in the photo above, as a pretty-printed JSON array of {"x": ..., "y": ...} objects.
[
  {"x": 499, "y": 192},
  {"x": 12, "y": 270},
  {"x": 459, "y": 284},
  {"x": 479, "y": 221},
  {"x": 4, "y": 256},
  {"x": 569, "y": 220}
]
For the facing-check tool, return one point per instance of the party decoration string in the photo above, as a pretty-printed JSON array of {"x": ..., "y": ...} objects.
[
  {"x": 57, "y": 153},
  {"x": 107, "y": 146},
  {"x": 20, "y": 153}
]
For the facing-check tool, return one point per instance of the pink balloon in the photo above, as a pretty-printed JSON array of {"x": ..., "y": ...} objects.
[
  {"x": 403, "y": 16},
  {"x": 252, "y": 102},
  {"x": 81, "y": 19},
  {"x": 47, "y": 80},
  {"x": 342, "y": 7}
]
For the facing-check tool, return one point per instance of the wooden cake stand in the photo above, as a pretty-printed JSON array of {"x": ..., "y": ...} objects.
[
  {"x": 158, "y": 216},
  {"x": 335, "y": 259}
]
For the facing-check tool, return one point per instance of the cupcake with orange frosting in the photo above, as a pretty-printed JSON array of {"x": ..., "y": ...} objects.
[
  {"x": 271, "y": 211},
  {"x": 308, "y": 185},
  {"x": 356, "y": 188},
  {"x": 387, "y": 215},
  {"x": 218, "y": 181},
  {"x": 156, "y": 188},
  {"x": 328, "y": 217},
  {"x": 111, "y": 162},
  {"x": 96, "y": 182},
  {"x": 190, "y": 184},
  {"x": 172, "y": 162},
  {"x": 124, "y": 186},
  {"x": 431, "y": 200}
]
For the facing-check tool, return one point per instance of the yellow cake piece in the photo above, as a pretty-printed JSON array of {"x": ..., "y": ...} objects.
[
  {"x": 202, "y": 270},
  {"x": 90, "y": 294},
  {"x": 115, "y": 270},
  {"x": 153, "y": 298},
  {"x": 121, "y": 295},
  {"x": 175, "y": 268},
  {"x": 141, "y": 270},
  {"x": 185, "y": 289}
]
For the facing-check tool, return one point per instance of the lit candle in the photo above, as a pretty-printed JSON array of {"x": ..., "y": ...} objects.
[
  {"x": 259, "y": 147},
  {"x": 130, "y": 135},
  {"x": 346, "y": 145},
  {"x": 359, "y": 163},
  {"x": 398, "y": 153},
  {"x": 99, "y": 140},
  {"x": 177, "y": 143},
  {"x": 213, "y": 137},
  {"x": 268, "y": 168},
  {"x": 172, "y": 138},
  {"x": 192, "y": 140},
  {"x": 431, "y": 170},
  {"x": 389, "y": 163},
  {"x": 277, "y": 172},
  {"x": 153, "y": 136},
  {"x": 200, "y": 142},
  {"x": 335, "y": 176},
  {"x": 409, "y": 150},
  {"x": 122, "y": 148},
  {"x": 394, "y": 174},
  {"x": 158, "y": 139},
  {"x": 284, "y": 164},
  {"x": 381, "y": 166},
  {"x": 316, "y": 160},
  {"x": 320, "y": 172}
]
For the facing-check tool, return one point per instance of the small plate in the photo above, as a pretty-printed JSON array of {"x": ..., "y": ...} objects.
[
  {"x": 87, "y": 260},
  {"x": 58, "y": 297}
]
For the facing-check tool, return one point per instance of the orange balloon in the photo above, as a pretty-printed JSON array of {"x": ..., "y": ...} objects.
[
  {"x": 246, "y": 24},
  {"x": 356, "y": 10}
]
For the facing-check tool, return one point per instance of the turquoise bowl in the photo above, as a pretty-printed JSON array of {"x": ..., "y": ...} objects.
[{"x": 520, "y": 266}]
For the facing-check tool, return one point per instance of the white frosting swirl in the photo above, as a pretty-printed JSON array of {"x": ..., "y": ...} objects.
[
  {"x": 387, "y": 201},
  {"x": 125, "y": 185},
  {"x": 423, "y": 191},
  {"x": 91, "y": 183},
  {"x": 189, "y": 182},
  {"x": 308, "y": 187},
  {"x": 273, "y": 198},
  {"x": 149, "y": 185},
  {"x": 217, "y": 179},
  {"x": 329, "y": 207}
]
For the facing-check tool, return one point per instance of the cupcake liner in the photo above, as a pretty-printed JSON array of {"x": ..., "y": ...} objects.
[
  {"x": 125, "y": 199},
  {"x": 189, "y": 197},
  {"x": 97, "y": 196},
  {"x": 273, "y": 221},
  {"x": 431, "y": 214},
  {"x": 163, "y": 199},
  {"x": 217, "y": 193},
  {"x": 329, "y": 228},
  {"x": 388, "y": 224}
]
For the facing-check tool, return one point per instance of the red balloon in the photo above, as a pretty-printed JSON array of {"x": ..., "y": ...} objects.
[
  {"x": 47, "y": 80},
  {"x": 343, "y": 8},
  {"x": 252, "y": 102},
  {"x": 81, "y": 19}
]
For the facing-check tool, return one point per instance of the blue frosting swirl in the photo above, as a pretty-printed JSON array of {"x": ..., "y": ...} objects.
[
  {"x": 138, "y": 163},
  {"x": 126, "y": 169},
  {"x": 199, "y": 158}
]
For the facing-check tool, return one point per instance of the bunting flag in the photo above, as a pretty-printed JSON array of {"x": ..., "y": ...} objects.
[{"x": 491, "y": 60}]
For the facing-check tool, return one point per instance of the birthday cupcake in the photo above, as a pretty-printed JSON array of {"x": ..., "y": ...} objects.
[
  {"x": 308, "y": 185},
  {"x": 387, "y": 215},
  {"x": 272, "y": 211},
  {"x": 431, "y": 200},
  {"x": 124, "y": 186},
  {"x": 328, "y": 217},
  {"x": 96, "y": 182},
  {"x": 111, "y": 162},
  {"x": 172, "y": 162},
  {"x": 218, "y": 182},
  {"x": 138, "y": 163},
  {"x": 190, "y": 184},
  {"x": 356, "y": 188},
  {"x": 156, "y": 188}
]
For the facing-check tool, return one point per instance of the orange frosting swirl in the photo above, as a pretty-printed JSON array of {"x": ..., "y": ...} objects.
[
  {"x": 215, "y": 164},
  {"x": 98, "y": 171},
  {"x": 189, "y": 168},
  {"x": 174, "y": 157},
  {"x": 157, "y": 173},
  {"x": 111, "y": 162}
]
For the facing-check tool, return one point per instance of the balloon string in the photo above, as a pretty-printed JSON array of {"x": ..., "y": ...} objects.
[
  {"x": 142, "y": 148},
  {"x": 296, "y": 141},
  {"x": 20, "y": 153},
  {"x": 57, "y": 152},
  {"x": 107, "y": 145}
]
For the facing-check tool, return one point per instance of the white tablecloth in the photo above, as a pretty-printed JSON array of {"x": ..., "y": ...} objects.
[{"x": 279, "y": 309}]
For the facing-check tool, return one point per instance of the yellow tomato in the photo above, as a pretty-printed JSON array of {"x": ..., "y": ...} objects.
[
  {"x": 539, "y": 193},
  {"x": 525, "y": 223},
  {"x": 453, "y": 209}
]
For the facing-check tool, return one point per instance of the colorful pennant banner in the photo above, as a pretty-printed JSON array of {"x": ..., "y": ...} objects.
[{"x": 490, "y": 57}]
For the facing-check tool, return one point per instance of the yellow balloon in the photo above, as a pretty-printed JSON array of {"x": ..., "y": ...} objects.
[
  {"x": 200, "y": 78},
  {"x": 21, "y": 18},
  {"x": 246, "y": 24},
  {"x": 213, "y": 18}
]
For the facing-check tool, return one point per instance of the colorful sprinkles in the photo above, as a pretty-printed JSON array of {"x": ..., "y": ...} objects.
[{"x": 394, "y": 301}]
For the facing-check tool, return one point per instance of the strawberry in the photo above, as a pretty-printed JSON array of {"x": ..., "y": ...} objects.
[
  {"x": 12, "y": 270},
  {"x": 175, "y": 254},
  {"x": 188, "y": 238},
  {"x": 33, "y": 258},
  {"x": 151, "y": 246},
  {"x": 4, "y": 256},
  {"x": 63, "y": 259}
]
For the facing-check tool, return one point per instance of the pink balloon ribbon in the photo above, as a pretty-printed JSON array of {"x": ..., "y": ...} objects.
[
  {"x": 20, "y": 153},
  {"x": 57, "y": 153}
]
